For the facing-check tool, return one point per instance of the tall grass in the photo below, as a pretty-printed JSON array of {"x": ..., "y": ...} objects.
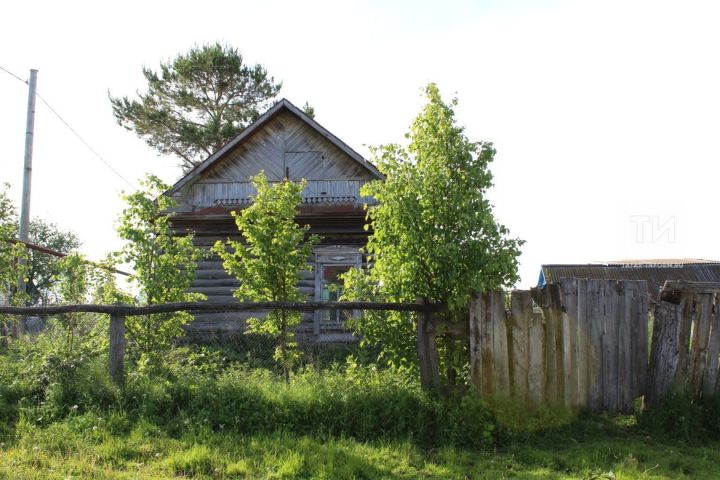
[{"x": 199, "y": 389}]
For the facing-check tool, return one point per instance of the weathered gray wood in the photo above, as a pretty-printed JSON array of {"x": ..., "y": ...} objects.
[
  {"x": 583, "y": 346},
  {"x": 712, "y": 370},
  {"x": 701, "y": 336},
  {"x": 595, "y": 357},
  {"x": 521, "y": 314},
  {"x": 487, "y": 351},
  {"x": 624, "y": 361},
  {"x": 672, "y": 287},
  {"x": 427, "y": 351},
  {"x": 569, "y": 297},
  {"x": 687, "y": 319},
  {"x": 665, "y": 352},
  {"x": 544, "y": 298},
  {"x": 475, "y": 328},
  {"x": 536, "y": 359},
  {"x": 211, "y": 274},
  {"x": 117, "y": 349},
  {"x": 614, "y": 304},
  {"x": 639, "y": 343},
  {"x": 215, "y": 282},
  {"x": 284, "y": 145},
  {"x": 501, "y": 364}
]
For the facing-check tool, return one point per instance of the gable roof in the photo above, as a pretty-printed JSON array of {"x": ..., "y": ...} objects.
[
  {"x": 655, "y": 272},
  {"x": 280, "y": 106}
]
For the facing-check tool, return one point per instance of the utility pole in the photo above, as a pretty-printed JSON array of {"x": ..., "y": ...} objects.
[{"x": 27, "y": 173}]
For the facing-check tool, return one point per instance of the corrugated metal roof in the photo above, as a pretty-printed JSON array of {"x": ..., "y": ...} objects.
[{"x": 654, "y": 272}]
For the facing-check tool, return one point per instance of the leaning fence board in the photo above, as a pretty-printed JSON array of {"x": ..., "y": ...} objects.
[
  {"x": 582, "y": 344},
  {"x": 501, "y": 364},
  {"x": 700, "y": 337},
  {"x": 536, "y": 359},
  {"x": 521, "y": 312},
  {"x": 683, "y": 342},
  {"x": 569, "y": 340},
  {"x": 610, "y": 347},
  {"x": 487, "y": 350},
  {"x": 665, "y": 353},
  {"x": 624, "y": 359},
  {"x": 640, "y": 340},
  {"x": 552, "y": 372},
  {"x": 476, "y": 342},
  {"x": 596, "y": 352},
  {"x": 710, "y": 378}
]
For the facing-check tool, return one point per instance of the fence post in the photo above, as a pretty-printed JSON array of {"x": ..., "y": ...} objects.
[
  {"x": 117, "y": 348},
  {"x": 427, "y": 350}
]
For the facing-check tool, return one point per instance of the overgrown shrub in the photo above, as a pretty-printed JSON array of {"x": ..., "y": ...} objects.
[
  {"x": 40, "y": 375},
  {"x": 680, "y": 415},
  {"x": 198, "y": 389}
]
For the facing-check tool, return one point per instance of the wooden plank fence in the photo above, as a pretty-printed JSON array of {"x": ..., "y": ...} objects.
[
  {"x": 582, "y": 343},
  {"x": 584, "y": 346},
  {"x": 686, "y": 341}
]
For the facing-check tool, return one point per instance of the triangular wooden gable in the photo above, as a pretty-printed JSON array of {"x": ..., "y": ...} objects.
[{"x": 283, "y": 141}]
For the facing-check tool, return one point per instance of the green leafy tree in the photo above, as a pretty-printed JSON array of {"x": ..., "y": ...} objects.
[
  {"x": 43, "y": 267},
  {"x": 164, "y": 265},
  {"x": 104, "y": 288},
  {"x": 73, "y": 284},
  {"x": 197, "y": 102},
  {"x": 434, "y": 233},
  {"x": 269, "y": 262}
]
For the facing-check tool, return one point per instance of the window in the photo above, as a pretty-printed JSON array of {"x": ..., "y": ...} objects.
[
  {"x": 330, "y": 263},
  {"x": 331, "y": 290}
]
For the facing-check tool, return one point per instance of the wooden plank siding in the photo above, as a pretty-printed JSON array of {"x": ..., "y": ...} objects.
[{"x": 281, "y": 143}]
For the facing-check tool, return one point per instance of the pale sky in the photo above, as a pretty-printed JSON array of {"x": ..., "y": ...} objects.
[{"x": 605, "y": 115}]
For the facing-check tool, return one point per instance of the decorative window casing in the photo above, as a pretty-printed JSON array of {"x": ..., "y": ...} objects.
[{"x": 330, "y": 262}]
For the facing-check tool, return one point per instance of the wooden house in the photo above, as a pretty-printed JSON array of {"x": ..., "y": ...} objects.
[{"x": 284, "y": 143}]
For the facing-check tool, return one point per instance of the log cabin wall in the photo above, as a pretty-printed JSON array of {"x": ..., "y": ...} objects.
[{"x": 283, "y": 143}]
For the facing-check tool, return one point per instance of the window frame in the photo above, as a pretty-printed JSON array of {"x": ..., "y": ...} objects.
[{"x": 337, "y": 256}]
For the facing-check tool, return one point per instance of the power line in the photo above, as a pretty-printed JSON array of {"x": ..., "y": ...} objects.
[
  {"x": 82, "y": 140},
  {"x": 12, "y": 74},
  {"x": 74, "y": 132}
]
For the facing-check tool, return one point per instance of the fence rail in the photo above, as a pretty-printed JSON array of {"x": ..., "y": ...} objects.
[
  {"x": 119, "y": 312},
  {"x": 197, "y": 307}
]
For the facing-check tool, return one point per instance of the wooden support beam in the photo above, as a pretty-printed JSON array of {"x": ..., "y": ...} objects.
[
  {"x": 427, "y": 351},
  {"x": 673, "y": 289},
  {"x": 117, "y": 349}
]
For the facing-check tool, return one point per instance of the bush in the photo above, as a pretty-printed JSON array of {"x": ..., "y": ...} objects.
[{"x": 680, "y": 415}]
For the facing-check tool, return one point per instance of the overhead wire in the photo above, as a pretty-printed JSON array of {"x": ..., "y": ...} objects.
[{"x": 74, "y": 132}]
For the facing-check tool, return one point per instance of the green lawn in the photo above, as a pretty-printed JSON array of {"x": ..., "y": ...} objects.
[{"x": 85, "y": 447}]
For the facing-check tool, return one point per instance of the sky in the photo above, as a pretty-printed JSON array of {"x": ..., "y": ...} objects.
[{"x": 605, "y": 115}]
